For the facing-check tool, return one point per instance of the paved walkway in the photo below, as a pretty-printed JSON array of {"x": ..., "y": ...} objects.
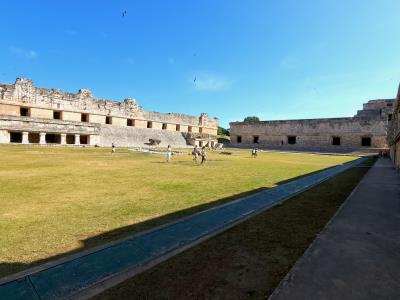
[
  {"x": 357, "y": 256},
  {"x": 86, "y": 274}
]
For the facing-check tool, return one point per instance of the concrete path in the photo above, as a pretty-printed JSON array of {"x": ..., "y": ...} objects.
[
  {"x": 357, "y": 255},
  {"x": 90, "y": 272}
]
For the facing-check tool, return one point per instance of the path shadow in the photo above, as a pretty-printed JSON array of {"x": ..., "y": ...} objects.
[{"x": 9, "y": 269}]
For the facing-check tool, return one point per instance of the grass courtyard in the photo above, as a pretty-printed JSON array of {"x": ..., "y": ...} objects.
[{"x": 57, "y": 200}]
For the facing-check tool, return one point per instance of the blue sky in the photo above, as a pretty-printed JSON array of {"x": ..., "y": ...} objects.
[{"x": 272, "y": 59}]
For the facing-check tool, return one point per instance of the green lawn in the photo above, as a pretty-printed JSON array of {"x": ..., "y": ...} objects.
[{"x": 59, "y": 200}]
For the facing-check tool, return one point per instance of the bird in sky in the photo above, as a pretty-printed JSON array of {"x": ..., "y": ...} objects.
[
  {"x": 124, "y": 13},
  {"x": 194, "y": 80}
]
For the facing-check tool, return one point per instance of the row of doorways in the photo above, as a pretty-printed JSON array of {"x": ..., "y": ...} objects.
[{"x": 51, "y": 138}]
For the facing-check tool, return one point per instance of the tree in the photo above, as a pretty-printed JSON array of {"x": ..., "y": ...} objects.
[
  {"x": 252, "y": 119},
  {"x": 222, "y": 131}
]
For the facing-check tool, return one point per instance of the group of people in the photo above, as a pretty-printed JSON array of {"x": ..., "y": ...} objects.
[{"x": 196, "y": 153}]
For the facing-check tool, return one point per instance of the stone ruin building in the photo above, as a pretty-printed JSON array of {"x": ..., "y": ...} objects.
[
  {"x": 366, "y": 131},
  {"x": 394, "y": 132},
  {"x": 32, "y": 115}
]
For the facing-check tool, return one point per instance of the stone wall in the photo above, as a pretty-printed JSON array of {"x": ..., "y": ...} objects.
[
  {"x": 26, "y": 108},
  {"x": 135, "y": 136},
  {"x": 330, "y": 134},
  {"x": 394, "y": 132},
  {"x": 23, "y": 92}
]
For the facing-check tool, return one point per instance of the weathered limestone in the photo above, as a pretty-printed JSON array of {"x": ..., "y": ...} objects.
[
  {"x": 25, "y": 137},
  {"x": 365, "y": 131},
  {"x": 394, "y": 132},
  {"x": 63, "y": 138},
  {"x": 9, "y": 110},
  {"x": 26, "y": 108},
  {"x": 77, "y": 139},
  {"x": 4, "y": 136},
  {"x": 42, "y": 140},
  {"x": 71, "y": 116}
]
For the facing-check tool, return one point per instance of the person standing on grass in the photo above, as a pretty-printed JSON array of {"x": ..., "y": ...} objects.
[
  {"x": 113, "y": 148},
  {"x": 195, "y": 153},
  {"x": 254, "y": 153},
  {"x": 169, "y": 153},
  {"x": 203, "y": 155}
]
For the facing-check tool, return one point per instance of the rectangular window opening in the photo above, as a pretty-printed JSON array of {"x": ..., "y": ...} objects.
[
  {"x": 336, "y": 141},
  {"x": 164, "y": 126},
  {"x": 255, "y": 139},
  {"x": 24, "y": 111},
  {"x": 130, "y": 122},
  {"x": 57, "y": 115},
  {"x": 149, "y": 124},
  {"x": 190, "y": 129},
  {"x": 291, "y": 139},
  {"x": 178, "y": 127},
  {"x": 84, "y": 117},
  {"x": 366, "y": 141},
  {"x": 109, "y": 120},
  {"x": 390, "y": 117}
]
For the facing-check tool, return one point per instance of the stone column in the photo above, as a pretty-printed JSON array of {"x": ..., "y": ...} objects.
[
  {"x": 63, "y": 138},
  {"x": 77, "y": 139},
  {"x": 42, "y": 138},
  {"x": 25, "y": 139}
]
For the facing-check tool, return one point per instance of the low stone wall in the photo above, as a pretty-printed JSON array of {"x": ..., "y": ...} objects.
[{"x": 135, "y": 137}]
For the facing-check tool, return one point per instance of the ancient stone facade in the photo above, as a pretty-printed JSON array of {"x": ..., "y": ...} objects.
[
  {"x": 29, "y": 114},
  {"x": 366, "y": 131},
  {"x": 394, "y": 132}
]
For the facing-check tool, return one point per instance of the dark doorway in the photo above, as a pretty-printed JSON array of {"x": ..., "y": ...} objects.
[
  {"x": 16, "y": 137},
  {"x": 84, "y": 139},
  {"x": 130, "y": 122},
  {"x": 366, "y": 141},
  {"x": 178, "y": 127},
  {"x": 291, "y": 139},
  {"x": 336, "y": 141},
  {"x": 239, "y": 139},
  {"x": 33, "y": 137},
  {"x": 164, "y": 126},
  {"x": 255, "y": 139},
  {"x": 53, "y": 138},
  {"x": 70, "y": 139},
  {"x": 149, "y": 124},
  {"x": 108, "y": 120}
]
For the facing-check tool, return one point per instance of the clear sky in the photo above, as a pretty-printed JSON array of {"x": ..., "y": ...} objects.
[{"x": 273, "y": 59}]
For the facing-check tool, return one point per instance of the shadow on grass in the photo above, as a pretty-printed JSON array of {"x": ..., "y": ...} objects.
[{"x": 7, "y": 269}]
